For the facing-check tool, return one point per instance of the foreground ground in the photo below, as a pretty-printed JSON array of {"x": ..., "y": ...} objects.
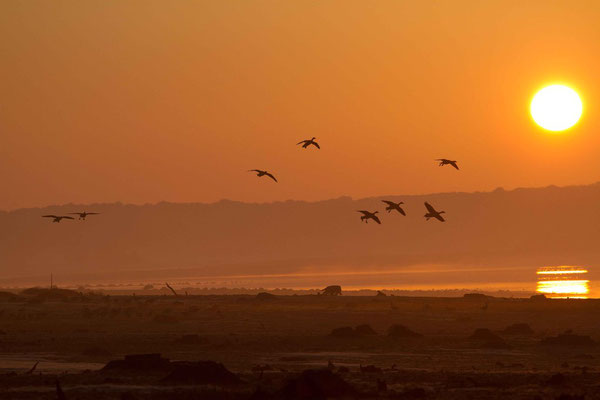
[{"x": 267, "y": 342}]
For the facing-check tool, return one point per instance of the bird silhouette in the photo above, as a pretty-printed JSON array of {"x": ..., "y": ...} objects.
[
  {"x": 394, "y": 206},
  {"x": 308, "y": 142},
  {"x": 84, "y": 214},
  {"x": 260, "y": 173},
  {"x": 369, "y": 215},
  {"x": 444, "y": 161},
  {"x": 57, "y": 218},
  {"x": 432, "y": 213}
]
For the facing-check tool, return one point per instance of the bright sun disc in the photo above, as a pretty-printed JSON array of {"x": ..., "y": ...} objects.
[{"x": 556, "y": 108}]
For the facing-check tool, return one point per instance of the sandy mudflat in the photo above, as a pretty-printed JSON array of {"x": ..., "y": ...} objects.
[{"x": 267, "y": 343}]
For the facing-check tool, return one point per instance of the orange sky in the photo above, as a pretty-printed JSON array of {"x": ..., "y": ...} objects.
[{"x": 143, "y": 101}]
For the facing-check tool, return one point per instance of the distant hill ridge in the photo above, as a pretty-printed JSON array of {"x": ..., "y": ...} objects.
[{"x": 551, "y": 225}]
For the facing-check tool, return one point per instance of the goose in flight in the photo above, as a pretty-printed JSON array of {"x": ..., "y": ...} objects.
[
  {"x": 57, "y": 218},
  {"x": 432, "y": 213},
  {"x": 444, "y": 161},
  {"x": 369, "y": 215},
  {"x": 394, "y": 206},
  {"x": 308, "y": 142},
  {"x": 84, "y": 214},
  {"x": 260, "y": 173}
]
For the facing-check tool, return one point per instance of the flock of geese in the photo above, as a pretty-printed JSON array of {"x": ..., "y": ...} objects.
[
  {"x": 391, "y": 206},
  {"x": 58, "y": 218},
  {"x": 431, "y": 212},
  {"x": 365, "y": 217}
]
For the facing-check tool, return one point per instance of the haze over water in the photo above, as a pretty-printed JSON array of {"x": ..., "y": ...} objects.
[{"x": 554, "y": 282}]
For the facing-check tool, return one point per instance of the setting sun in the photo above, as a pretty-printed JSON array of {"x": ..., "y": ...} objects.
[{"x": 556, "y": 108}]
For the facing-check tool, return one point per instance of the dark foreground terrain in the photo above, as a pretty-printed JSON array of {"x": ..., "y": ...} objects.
[{"x": 309, "y": 347}]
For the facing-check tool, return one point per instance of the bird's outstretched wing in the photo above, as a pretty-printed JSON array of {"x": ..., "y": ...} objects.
[
  {"x": 364, "y": 212},
  {"x": 270, "y": 176},
  {"x": 49, "y": 216},
  {"x": 376, "y": 219},
  {"x": 439, "y": 217},
  {"x": 430, "y": 208},
  {"x": 304, "y": 141},
  {"x": 453, "y": 163},
  {"x": 441, "y": 159},
  {"x": 317, "y": 145},
  {"x": 389, "y": 203},
  {"x": 401, "y": 211},
  {"x": 62, "y": 216},
  {"x": 255, "y": 170},
  {"x": 92, "y": 213}
]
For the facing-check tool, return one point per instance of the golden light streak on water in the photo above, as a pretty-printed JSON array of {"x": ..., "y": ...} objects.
[
  {"x": 563, "y": 281},
  {"x": 575, "y": 271}
]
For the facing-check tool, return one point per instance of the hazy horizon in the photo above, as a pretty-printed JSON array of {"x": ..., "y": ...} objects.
[
  {"x": 263, "y": 244},
  {"x": 342, "y": 196}
]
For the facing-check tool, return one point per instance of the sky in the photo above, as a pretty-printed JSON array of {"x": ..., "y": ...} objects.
[{"x": 147, "y": 101}]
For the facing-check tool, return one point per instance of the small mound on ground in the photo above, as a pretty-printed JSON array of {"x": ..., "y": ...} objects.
[
  {"x": 401, "y": 331},
  {"x": 264, "y": 296},
  {"x": 476, "y": 296},
  {"x": 139, "y": 362},
  {"x": 333, "y": 290},
  {"x": 7, "y": 296},
  {"x": 538, "y": 297},
  {"x": 201, "y": 373},
  {"x": 344, "y": 331},
  {"x": 317, "y": 384},
  {"x": 370, "y": 369},
  {"x": 568, "y": 339},
  {"x": 364, "y": 330},
  {"x": 488, "y": 339},
  {"x": 518, "y": 329},
  {"x": 483, "y": 334},
  {"x": 347, "y": 331}
]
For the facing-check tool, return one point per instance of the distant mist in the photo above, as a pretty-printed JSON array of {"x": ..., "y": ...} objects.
[{"x": 541, "y": 226}]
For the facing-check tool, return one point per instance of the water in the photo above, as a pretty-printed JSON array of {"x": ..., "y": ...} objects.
[
  {"x": 436, "y": 280},
  {"x": 563, "y": 281}
]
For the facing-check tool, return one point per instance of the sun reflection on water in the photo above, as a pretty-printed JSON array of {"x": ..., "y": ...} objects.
[{"x": 562, "y": 282}]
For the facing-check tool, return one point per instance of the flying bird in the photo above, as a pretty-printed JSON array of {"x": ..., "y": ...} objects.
[
  {"x": 84, "y": 214},
  {"x": 369, "y": 215},
  {"x": 57, "y": 218},
  {"x": 444, "y": 161},
  {"x": 394, "y": 206},
  {"x": 260, "y": 173},
  {"x": 308, "y": 142},
  {"x": 432, "y": 213}
]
